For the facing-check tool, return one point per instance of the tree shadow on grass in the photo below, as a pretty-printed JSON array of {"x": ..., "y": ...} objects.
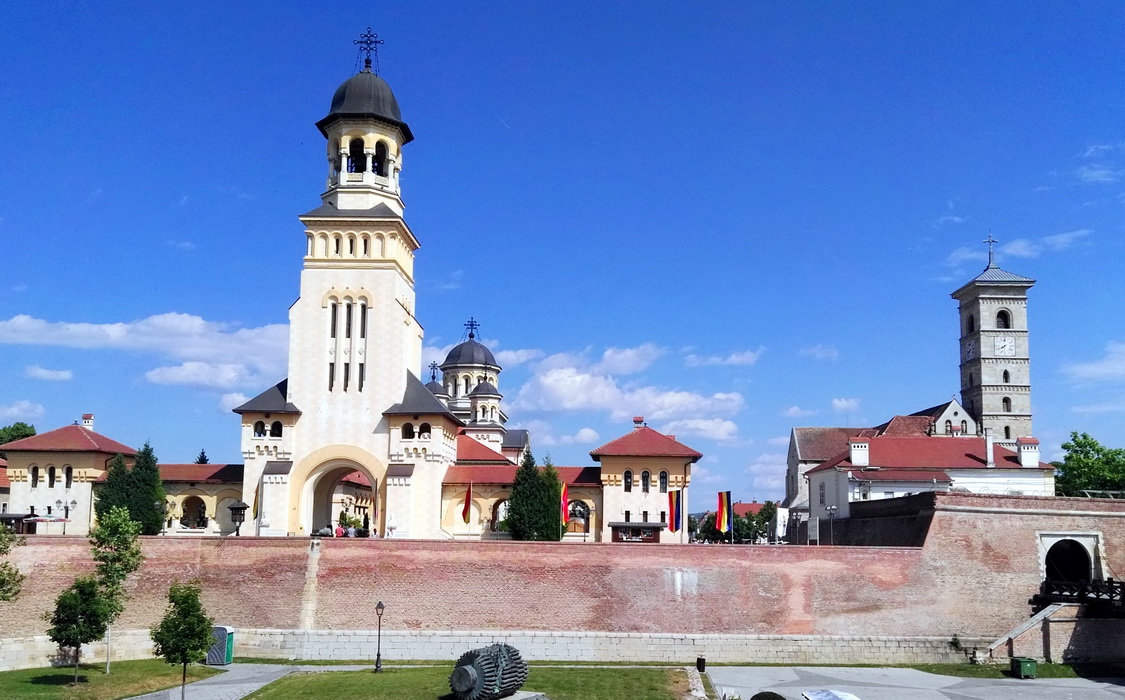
[{"x": 57, "y": 679}]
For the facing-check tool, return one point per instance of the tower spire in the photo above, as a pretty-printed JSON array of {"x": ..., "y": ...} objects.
[
  {"x": 990, "y": 240},
  {"x": 368, "y": 43},
  {"x": 472, "y": 325}
]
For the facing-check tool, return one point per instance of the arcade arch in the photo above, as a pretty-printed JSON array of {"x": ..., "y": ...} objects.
[{"x": 327, "y": 475}]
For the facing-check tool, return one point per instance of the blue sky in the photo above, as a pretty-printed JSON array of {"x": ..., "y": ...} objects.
[{"x": 731, "y": 218}]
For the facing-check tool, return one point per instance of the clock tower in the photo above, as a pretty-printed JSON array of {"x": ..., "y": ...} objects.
[{"x": 995, "y": 357}]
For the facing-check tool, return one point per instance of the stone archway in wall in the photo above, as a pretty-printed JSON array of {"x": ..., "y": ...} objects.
[
  {"x": 1067, "y": 561},
  {"x": 318, "y": 482}
]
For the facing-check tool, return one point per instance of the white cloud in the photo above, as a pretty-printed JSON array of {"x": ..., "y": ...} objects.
[
  {"x": 229, "y": 402},
  {"x": 586, "y": 436},
  {"x": 742, "y": 358},
  {"x": 207, "y": 374},
  {"x": 708, "y": 428},
  {"x": 51, "y": 375},
  {"x": 702, "y": 475},
  {"x": 181, "y": 245},
  {"x": 1098, "y": 173},
  {"x": 261, "y": 351},
  {"x": 949, "y": 219},
  {"x": 965, "y": 254},
  {"x": 452, "y": 282},
  {"x": 514, "y": 358},
  {"x": 1100, "y": 149},
  {"x": 543, "y": 434},
  {"x": 820, "y": 352},
  {"x": 767, "y": 473},
  {"x": 628, "y": 360},
  {"x": 1028, "y": 248},
  {"x": 1110, "y": 368},
  {"x": 21, "y": 410},
  {"x": 798, "y": 412},
  {"x": 572, "y": 389},
  {"x": 777, "y": 441},
  {"x": 845, "y": 405}
]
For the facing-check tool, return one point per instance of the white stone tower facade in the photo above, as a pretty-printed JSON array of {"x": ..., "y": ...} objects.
[{"x": 995, "y": 355}]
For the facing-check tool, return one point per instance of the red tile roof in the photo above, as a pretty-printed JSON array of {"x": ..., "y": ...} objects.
[
  {"x": 819, "y": 444},
  {"x": 71, "y": 438},
  {"x": 471, "y": 451},
  {"x": 645, "y": 442},
  {"x": 906, "y": 426},
  {"x": 358, "y": 478},
  {"x": 744, "y": 509},
  {"x": 928, "y": 453},
  {"x": 200, "y": 473},
  {"x": 506, "y": 475}
]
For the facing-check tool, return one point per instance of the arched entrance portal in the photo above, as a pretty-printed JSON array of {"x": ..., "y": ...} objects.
[
  {"x": 194, "y": 514},
  {"x": 341, "y": 493},
  {"x": 1068, "y": 562}
]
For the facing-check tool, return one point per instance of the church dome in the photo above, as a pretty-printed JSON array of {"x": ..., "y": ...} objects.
[
  {"x": 365, "y": 95},
  {"x": 436, "y": 388},
  {"x": 469, "y": 352},
  {"x": 484, "y": 389}
]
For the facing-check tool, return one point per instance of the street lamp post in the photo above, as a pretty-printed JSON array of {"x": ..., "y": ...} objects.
[
  {"x": 238, "y": 516},
  {"x": 379, "y": 608},
  {"x": 831, "y": 524},
  {"x": 65, "y": 507}
]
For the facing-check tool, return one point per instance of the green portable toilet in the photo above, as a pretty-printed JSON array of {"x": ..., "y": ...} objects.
[{"x": 222, "y": 651}]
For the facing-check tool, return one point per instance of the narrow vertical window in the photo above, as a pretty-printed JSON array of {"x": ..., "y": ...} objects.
[
  {"x": 1007, "y": 432},
  {"x": 627, "y": 514},
  {"x": 276, "y": 428},
  {"x": 34, "y": 479},
  {"x": 348, "y": 320},
  {"x": 331, "y": 375},
  {"x": 362, "y": 373},
  {"x": 644, "y": 516},
  {"x": 332, "y": 321},
  {"x": 645, "y": 479},
  {"x": 50, "y": 477},
  {"x": 663, "y": 483},
  {"x": 347, "y": 374},
  {"x": 363, "y": 320},
  {"x": 366, "y": 247},
  {"x": 663, "y": 516},
  {"x": 628, "y": 481},
  {"x": 1007, "y": 404},
  {"x": 69, "y": 475}
]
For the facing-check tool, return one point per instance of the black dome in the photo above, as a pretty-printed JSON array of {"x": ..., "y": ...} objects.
[
  {"x": 469, "y": 352},
  {"x": 365, "y": 95},
  {"x": 485, "y": 389},
  {"x": 436, "y": 388}
]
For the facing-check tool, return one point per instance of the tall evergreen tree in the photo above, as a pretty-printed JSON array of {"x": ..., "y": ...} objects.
[
  {"x": 202, "y": 458},
  {"x": 146, "y": 503},
  {"x": 550, "y": 507},
  {"x": 521, "y": 505},
  {"x": 117, "y": 489}
]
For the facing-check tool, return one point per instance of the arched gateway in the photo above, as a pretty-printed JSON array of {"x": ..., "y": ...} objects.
[{"x": 339, "y": 486}]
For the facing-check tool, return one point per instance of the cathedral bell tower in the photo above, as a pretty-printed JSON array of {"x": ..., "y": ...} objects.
[{"x": 995, "y": 357}]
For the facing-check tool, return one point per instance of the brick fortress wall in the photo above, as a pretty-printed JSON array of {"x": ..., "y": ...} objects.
[{"x": 979, "y": 565}]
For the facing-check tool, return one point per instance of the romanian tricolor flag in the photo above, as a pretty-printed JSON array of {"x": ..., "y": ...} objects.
[
  {"x": 674, "y": 510},
  {"x": 724, "y": 518},
  {"x": 468, "y": 508},
  {"x": 563, "y": 506}
]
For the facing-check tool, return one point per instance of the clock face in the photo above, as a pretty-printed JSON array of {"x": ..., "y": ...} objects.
[
  {"x": 970, "y": 349},
  {"x": 1005, "y": 345}
]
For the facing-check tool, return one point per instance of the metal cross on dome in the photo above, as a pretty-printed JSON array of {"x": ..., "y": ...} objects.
[
  {"x": 368, "y": 43},
  {"x": 990, "y": 240},
  {"x": 472, "y": 325},
  {"x": 433, "y": 371}
]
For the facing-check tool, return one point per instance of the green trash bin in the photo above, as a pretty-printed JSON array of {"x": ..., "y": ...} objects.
[{"x": 1024, "y": 667}]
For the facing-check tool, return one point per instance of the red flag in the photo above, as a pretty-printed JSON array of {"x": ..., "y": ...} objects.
[
  {"x": 563, "y": 505},
  {"x": 468, "y": 504}
]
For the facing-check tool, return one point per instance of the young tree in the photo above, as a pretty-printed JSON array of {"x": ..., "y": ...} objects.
[
  {"x": 13, "y": 432},
  {"x": 765, "y": 518},
  {"x": 202, "y": 458},
  {"x": 117, "y": 489},
  {"x": 1089, "y": 465},
  {"x": 521, "y": 505},
  {"x": 184, "y": 634},
  {"x": 550, "y": 509},
  {"x": 148, "y": 496},
  {"x": 81, "y": 615},
  {"x": 117, "y": 553},
  {"x": 11, "y": 580}
]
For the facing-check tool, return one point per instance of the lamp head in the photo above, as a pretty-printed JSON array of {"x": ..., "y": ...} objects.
[{"x": 379, "y": 607}]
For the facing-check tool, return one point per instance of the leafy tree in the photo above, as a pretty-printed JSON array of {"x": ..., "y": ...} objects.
[
  {"x": 117, "y": 553},
  {"x": 202, "y": 458},
  {"x": 146, "y": 505},
  {"x": 184, "y": 634},
  {"x": 11, "y": 580},
  {"x": 81, "y": 615},
  {"x": 522, "y": 520},
  {"x": 115, "y": 492},
  {"x": 13, "y": 432},
  {"x": 550, "y": 501},
  {"x": 1089, "y": 465},
  {"x": 766, "y": 516}
]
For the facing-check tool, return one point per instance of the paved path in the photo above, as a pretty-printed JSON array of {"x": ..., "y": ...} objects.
[
  {"x": 239, "y": 680},
  {"x": 903, "y": 684}
]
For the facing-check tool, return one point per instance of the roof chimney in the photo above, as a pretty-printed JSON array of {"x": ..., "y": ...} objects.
[
  {"x": 1028, "y": 448},
  {"x": 860, "y": 452},
  {"x": 88, "y": 421},
  {"x": 989, "y": 449},
  {"x": 638, "y": 422}
]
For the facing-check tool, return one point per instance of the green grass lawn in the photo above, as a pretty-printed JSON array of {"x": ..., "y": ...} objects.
[
  {"x": 1044, "y": 670},
  {"x": 127, "y": 679},
  {"x": 433, "y": 683}
]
